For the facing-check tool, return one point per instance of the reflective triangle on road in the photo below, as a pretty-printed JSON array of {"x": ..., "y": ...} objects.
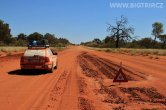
[{"x": 120, "y": 77}]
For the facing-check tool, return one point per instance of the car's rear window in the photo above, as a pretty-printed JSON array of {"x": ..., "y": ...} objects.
[{"x": 34, "y": 52}]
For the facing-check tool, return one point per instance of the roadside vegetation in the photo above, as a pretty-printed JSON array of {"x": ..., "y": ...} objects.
[
  {"x": 11, "y": 49},
  {"x": 18, "y": 49},
  {"x": 133, "y": 52},
  {"x": 58, "y": 49},
  {"x": 10, "y": 45},
  {"x": 122, "y": 36},
  {"x": 6, "y": 39}
]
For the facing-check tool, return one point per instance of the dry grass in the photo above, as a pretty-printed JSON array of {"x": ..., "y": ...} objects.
[
  {"x": 11, "y": 49},
  {"x": 8, "y": 51},
  {"x": 58, "y": 49},
  {"x": 17, "y": 49},
  {"x": 133, "y": 52}
]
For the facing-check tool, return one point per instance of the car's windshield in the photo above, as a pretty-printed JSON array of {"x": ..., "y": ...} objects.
[{"x": 34, "y": 52}]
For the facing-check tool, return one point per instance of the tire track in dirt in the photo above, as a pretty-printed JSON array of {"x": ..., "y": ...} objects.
[
  {"x": 84, "y": 103},
  {"x": 139, "y": 95},
  {"x": 36, "y": 96},
  {"x": 82, "y": 82},
  {"x": 118, "y": 97},
  {"x": 82, "y": 86},
  {"x": 112, "y": 95},
  {"x": 57, "y": 91},
  {"x": 139, "y": 76},
  {"x": 152, "y": 96},
  {"x": 107, "y": 67}
]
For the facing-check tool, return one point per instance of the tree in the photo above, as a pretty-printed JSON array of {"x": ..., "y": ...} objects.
[
  {"x": 63, "y": 41},
  {"x": 109, "y": 41},
  {"x": 51, "y": 38},
  {"x": 163, "y": 40},
  {"x": 35, "y": 36},
  {"x": 145, "y": 42},
  {"x": 157, "y": 30},
  {"x": 120, "y": 31},
  {"x": 22, "y": 36},
  {"x": 4, "y": 32},
  {"x": 97, "y": 41}
]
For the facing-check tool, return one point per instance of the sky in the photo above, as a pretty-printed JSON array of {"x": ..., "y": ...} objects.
[{"x": 78, "y": 20}]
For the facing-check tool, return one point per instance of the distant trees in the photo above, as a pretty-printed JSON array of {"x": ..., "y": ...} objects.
[
  {"x": 109, "y": 42},
  {"x": 35, "y": 36},
  {"x": 97, "y": 41},
  {"x": 4, "y": 32},
  {"x": 163, "y": 40},
  {"x": 145, "y": 42},
  {"x": 94, "y": 43},
  {"x": 120, "y": 31},
  {"x": 120, "y": 34},
  {"x": 63, "y": 41},
  {"x": 157, "y": 30},
  {"x": 121, "y": 37},
  {"x": 23, "y": 39},
  {"x": 51, "y": 38},
  {"x": 22, "y": 36}
]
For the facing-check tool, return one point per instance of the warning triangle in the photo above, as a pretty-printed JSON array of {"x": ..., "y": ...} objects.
[{"x": 120, "y": 77}]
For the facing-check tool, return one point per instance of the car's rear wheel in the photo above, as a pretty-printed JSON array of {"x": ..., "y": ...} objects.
[
  {"x": 23, "y": 70},
  {"x": 51, "y": 70},
  {"x": 56, "y": 65}
]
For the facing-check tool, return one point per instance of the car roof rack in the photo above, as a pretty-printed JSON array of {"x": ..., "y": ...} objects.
[{"x": 38, "y": 44}]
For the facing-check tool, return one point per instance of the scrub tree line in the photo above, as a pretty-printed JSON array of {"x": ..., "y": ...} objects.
[
  {"x": 121, "y": 35},
  {"x": 6, "y": 39}
]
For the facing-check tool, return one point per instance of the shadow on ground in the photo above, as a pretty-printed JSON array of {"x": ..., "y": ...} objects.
[{"x": 27, "y": 72}]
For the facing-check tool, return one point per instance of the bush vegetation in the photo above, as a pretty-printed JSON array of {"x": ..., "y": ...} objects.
[
  {"x": 120, "y": 36},
  {"x": 6, "y": 39},
  {"x": 133, "y": 51}
]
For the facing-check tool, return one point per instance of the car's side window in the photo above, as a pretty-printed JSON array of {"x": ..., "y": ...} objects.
[{"x": 50, "y": 52}]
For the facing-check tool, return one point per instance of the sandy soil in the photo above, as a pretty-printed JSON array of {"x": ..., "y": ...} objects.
[
  {"x": 3, "y": 54},
  {"x": 83, "y": 81}
]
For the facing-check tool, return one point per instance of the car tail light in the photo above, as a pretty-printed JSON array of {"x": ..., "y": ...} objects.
[{"x": 22, "y": 59}]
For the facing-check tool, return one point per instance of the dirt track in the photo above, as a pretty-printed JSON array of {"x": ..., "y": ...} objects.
[{"x": 83, "y": 81}]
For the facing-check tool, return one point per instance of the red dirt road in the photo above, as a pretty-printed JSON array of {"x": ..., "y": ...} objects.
[{"x": 83, "y": 81}]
